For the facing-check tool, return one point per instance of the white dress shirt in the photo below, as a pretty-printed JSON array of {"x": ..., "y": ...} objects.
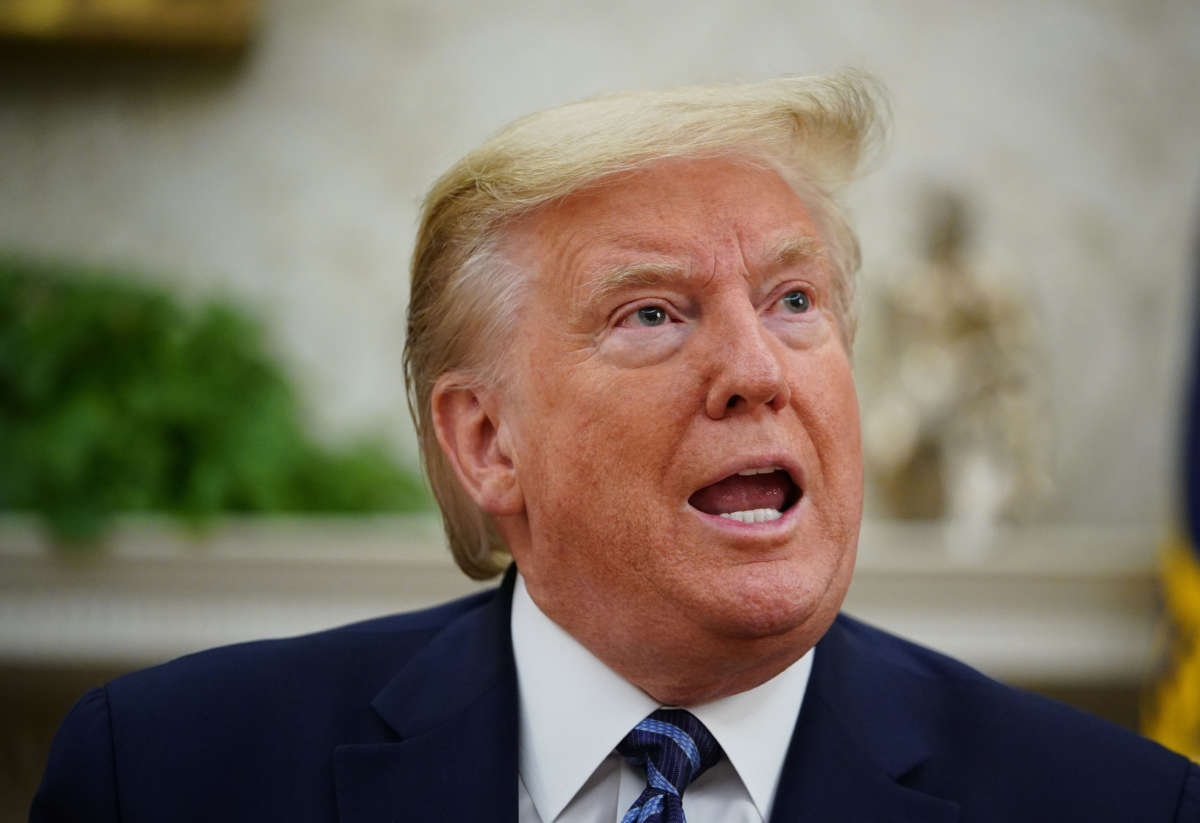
[{"x": 574, "y": 711}]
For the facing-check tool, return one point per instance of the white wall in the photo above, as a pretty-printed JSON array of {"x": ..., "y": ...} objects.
[{"x": 294, "y": 181}]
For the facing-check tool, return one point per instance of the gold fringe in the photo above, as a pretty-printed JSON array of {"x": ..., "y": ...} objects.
[{"x": 1173, "y": 718}]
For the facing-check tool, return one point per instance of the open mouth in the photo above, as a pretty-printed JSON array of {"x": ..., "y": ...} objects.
[{"x": 749, "y": 496}]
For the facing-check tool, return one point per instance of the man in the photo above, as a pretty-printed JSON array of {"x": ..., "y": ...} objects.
[{"x": 629, "y": 358}]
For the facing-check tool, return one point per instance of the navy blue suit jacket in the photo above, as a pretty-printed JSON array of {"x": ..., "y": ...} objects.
[{"x": 414, "y": 718}]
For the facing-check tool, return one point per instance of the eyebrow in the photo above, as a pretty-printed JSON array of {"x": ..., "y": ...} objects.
[
  {"x": 620, "y": 278},
  {"x": 789, "y": 252},
  {"x": 797, "y": 249}
]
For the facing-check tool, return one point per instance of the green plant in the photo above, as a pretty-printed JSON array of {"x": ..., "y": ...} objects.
[{"x": 114, "y": 398}]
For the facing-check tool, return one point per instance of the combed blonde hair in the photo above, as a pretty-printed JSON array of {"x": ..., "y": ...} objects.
[{"x": 466, "y": 295}]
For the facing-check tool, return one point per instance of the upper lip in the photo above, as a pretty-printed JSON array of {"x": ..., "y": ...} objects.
[{"x": 741, "y": 463}]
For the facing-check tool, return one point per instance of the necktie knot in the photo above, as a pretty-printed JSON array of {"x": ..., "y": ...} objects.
[{"x": 674, "y": 748}]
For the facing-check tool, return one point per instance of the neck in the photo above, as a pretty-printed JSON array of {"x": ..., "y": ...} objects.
[
  {"x": 680, "y": 665},
  {"x": 703, "y": 684}
]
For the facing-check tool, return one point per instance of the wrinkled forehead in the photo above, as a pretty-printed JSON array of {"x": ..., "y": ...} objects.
[{"x": 673, "y": 217}]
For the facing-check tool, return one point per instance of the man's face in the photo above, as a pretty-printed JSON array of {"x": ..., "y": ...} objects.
[{"x": 678, "y": 359}]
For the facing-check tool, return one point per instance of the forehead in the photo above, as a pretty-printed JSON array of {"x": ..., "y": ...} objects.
[{"x": 687, "y": 214}]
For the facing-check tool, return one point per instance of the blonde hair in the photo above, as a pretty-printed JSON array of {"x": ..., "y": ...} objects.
[{"x": 465, "y": 294}]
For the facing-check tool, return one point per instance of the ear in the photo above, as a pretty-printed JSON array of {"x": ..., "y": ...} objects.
[{"x": 474, "y": 440}]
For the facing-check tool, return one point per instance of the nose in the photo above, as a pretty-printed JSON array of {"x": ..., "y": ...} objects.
[{"x": 748, "y": 367}]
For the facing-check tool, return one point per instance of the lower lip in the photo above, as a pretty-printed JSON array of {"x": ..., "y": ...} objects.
[{"x": 766, "y": 529}]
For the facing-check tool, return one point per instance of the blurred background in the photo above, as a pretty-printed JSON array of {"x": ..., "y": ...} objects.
[{"x": 206, "y": 210}]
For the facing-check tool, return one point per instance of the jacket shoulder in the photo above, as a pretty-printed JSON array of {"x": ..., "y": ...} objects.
[
  {"x": 357, "y": 653},
  {"x": 248, "y": 723},
  {"x": 993, "y": 745},
  {"x": 79, "y": 782}
]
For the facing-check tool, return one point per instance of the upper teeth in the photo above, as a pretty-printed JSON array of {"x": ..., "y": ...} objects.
[
  {"x": 767, "y": 470},
  {"x": 754, "y": 515}
]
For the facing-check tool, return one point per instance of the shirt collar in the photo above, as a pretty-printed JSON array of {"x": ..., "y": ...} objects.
[
  {"x": 755, "y": 727},
  {"x": 574, "y": 710}
]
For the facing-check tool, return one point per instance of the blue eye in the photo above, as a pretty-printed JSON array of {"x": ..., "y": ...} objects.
[
  {"x": 651, "y": 316},
  {"x": 797, "y": 302}
]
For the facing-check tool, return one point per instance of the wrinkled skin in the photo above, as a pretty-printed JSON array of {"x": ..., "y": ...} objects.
[{"x": 629, "y": 392}]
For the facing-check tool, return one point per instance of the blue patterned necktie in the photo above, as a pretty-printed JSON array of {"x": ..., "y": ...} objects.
[{"x": 674, "y": 748}]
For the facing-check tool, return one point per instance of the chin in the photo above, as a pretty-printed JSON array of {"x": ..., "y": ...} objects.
[{"x": 762, "y": 601}]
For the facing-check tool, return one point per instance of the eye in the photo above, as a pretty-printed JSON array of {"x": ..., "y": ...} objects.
[
  {"x": 650, "y": 316},
  {"x": 796, "y": 302}
]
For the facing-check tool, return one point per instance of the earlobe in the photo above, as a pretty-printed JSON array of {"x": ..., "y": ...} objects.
[{"x": 471, "y": 432}]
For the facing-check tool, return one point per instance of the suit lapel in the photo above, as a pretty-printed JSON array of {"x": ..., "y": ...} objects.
[
  {"x": 862, "y": 730},
  {"x": 454, "y": 706}
]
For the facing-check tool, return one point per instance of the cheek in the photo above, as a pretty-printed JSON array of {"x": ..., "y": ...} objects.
[
  {"x": 841, "y": 457},
  {"x": 630, "y": 348},
  {"x": 804, "y": 332},
  {"x": 826, "y": 383},
  {"x": 619, "y": 414},
  {"x": 579, "y": 439},
  {"x": 841, "y": 413},
  {"x": 828, "y": 406},
  {"x": 599, "y": 451}
]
